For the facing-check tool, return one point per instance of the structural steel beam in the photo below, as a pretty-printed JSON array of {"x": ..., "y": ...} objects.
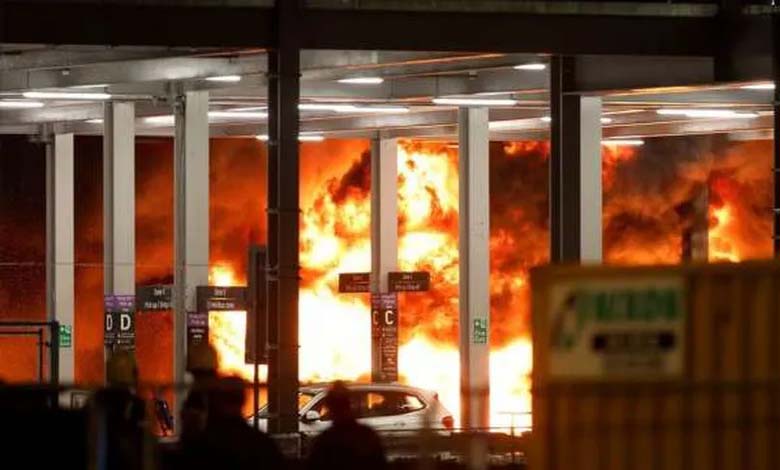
[
  {"x": 575, "y": 171},
  {"x": 235, "y": 26},
  {"x": 283, "y": 219},
  {"x": 130, "y": 71}
]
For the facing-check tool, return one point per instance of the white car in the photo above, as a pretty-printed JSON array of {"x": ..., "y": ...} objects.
[{"x": 384, "y": 407}]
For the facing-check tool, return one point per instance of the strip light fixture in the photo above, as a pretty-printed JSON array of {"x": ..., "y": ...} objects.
[
  {"x": 20, "y": 104},
  {"x": 224, "y": 78},
  {"x": 706, "y": 113},
  {"x": 301, "y": 137},
  {"x": 624, "y": 142},
  {"x": 531, "y": 66},
  {"x": 59, "y": 95},
  {"x": 362, "y": 80},
  {"x": 759, "y": 86}
]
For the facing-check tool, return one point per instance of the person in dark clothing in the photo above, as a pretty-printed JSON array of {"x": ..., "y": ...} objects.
[
  {"x": 227, "y": 440},
  {"x": 347, "y": 444}
]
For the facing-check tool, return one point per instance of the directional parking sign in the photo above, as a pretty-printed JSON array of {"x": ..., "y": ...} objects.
[{"x": 119, "y": 322}]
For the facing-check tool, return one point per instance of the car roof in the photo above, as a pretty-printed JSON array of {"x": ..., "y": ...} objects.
[{"x": 320, "y": 387}]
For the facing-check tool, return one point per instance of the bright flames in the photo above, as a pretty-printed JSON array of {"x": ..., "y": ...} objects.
[{"x": 334, "y": 328}]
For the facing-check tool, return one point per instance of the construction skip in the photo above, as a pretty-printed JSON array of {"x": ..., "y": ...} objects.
[{"x": 656, "y": 367}]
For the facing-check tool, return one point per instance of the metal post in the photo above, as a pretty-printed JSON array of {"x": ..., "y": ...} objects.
[
  {"x": 474, "y": 253},
  {"x": 283, "y": 215},
  {"x": 191, "y": 220},
  {"x": 60, "y": 241},
  {"x": 575, "y": 170},
  {"x": 696, "y": 236}
]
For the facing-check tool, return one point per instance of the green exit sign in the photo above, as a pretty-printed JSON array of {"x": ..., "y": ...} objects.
[{"x": 66, "y": 336}]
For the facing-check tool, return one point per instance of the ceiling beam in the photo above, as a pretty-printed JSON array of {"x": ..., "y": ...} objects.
[{"x": 132, "y": 71}]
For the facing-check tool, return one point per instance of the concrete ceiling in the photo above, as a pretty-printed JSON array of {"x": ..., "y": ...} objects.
[{"x": 633, "y": 90}]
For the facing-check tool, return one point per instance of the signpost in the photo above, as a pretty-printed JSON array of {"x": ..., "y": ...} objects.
[
  {"x": 221, "y": 299},
  {"x": 154, "y": 297},
  {"x": 415, "y": 281},
  {"x": 119, "y": 323},
  {"x": 384, "y": 317},
  {"x": 384, "y": 337},
  {"x": 352, "y": 283}
]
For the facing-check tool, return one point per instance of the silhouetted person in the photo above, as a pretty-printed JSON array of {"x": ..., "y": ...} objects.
[
  {"x": 347, "y": 444},
  {"x": 202, "y": 366},
  {"x": 118, "y": 418},
  {"x": 228, "y": 441}
]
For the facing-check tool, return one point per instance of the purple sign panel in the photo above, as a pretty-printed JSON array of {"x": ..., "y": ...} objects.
[{"x": 384, "y": 337}]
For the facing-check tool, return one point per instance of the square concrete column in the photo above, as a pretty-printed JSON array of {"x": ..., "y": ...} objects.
[
  {"x": 384, "y": 211},
  {"x": 384, "y": 236},
  {"x": 60, "y": 246},
  {"x": 119, "y": 198},
  {"x": 575, "y": 172},
  {"x": 191, "y": 217},
  {"x": 474, "y": 252}
]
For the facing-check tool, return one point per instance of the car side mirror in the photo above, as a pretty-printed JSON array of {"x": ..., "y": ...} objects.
[{"x": 311, "y": 416}]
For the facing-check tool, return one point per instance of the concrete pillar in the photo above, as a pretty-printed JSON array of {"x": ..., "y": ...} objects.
[
  {"x": 119, "y": 199},
  {"x": 191, "y": 218},
  {"x": 575, "y": 172},
  {"x": 474, "y": 252},
  {"x": 695, "y": 242},
  {"x": 60, "y": 256},
  {"x": 384, "y": 211}
]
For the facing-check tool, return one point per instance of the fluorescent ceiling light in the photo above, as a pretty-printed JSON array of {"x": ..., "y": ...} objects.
[
  {"x": 20, "y": 104},
  {"x": 624, "y": 142},
  {"x": 351, "y": 108},
  {"x": 166, "y": 119},
  {"x": 169, "y": 120},
  {"x": 706, "y": 113},
  {"x": 531, "y": 66},
  {"x": 225, "y": 78},
  {"x": 301, "y": 137},
  {"x": 362, "y": 80},
  {"x": 56, "y": 95},
  {"x": 86, "y": 87},
  {"x": 94, "y": 121},
  {"x": 237, "y": 115},
  {"x": 759, "y": 86},
  {"x": 474, "y": 101}
]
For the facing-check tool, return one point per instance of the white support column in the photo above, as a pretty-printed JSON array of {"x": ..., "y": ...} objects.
[
  {"x": 60, "y": 246},
  {"x": 474, "y": 237},
  {"x": 191, "y": 215},
  {"x": 384, "y": 211},
  {"x": 590, "y": 180},
  {"x": 119, "y": 198}
]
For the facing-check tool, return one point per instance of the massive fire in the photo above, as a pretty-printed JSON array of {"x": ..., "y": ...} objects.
[{"x": 334, "y": 328}]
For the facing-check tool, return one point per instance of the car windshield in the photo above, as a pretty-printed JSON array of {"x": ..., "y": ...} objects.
[{"x": 303, "y": 399}]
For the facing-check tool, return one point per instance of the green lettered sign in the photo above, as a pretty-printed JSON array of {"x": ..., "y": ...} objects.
[
  {"x": 66, "y": 336},
  {"x": 615, "y": 329},
  {"x": 479, "y": 334}
]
